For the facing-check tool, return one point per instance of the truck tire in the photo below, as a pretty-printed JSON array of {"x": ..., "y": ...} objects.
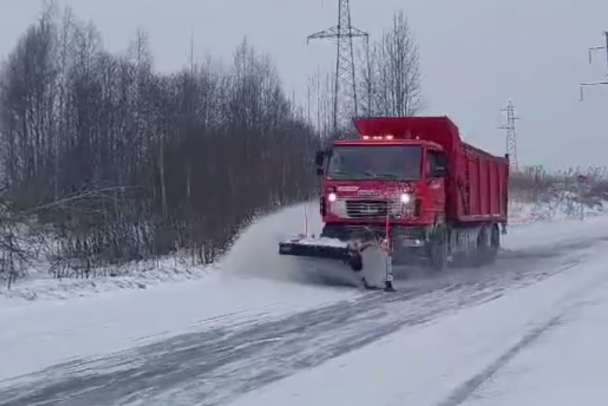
[
  {"x": 355, "y": 262},
  {"x": 494, "y": 242},
  {"x": 481, "y": 255},
  {"x": 437, "y": 250},
  {"x": 487, "y": 246}
]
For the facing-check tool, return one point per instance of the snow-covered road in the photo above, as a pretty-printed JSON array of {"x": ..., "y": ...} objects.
[
  {"x": 230, "y": 338},
  {"x": 508, "y": 351},
  {"x": 565, "y": 363}
]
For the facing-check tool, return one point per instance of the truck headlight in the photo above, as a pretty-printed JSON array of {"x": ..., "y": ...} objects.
[
  {"x": 405, "y": 198},
  {"x": 332, "y": 197}
]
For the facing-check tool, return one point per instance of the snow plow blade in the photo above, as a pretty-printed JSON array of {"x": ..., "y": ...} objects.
[
  {"x": 324, "y": 248},
  {"x": 349, "y": 253}
]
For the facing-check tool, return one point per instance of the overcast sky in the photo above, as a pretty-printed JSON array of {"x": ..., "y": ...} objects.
[{"x": 475, "y": 55}]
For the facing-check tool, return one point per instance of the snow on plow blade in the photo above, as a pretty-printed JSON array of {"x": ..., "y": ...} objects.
[
  {"x": 326, "y": 248},
  {"x": 349, "y": 253}
]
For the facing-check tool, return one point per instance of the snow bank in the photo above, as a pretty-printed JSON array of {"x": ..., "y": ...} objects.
[
  {"x": 564, "y": 232},
  {"x": 42, "y": 286},
  {"x": 566, "y": 208},
  {"x": 255, "y": 248}
]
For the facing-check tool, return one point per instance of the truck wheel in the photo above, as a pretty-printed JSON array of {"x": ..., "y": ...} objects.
[
  {"x": 482, "y": 248},
  {"x": 487, "y": 246},
  {"x": 331, "y": 231},
  {"x": 437, "y": 250},
  {"x": 355, "y": 262},
  {"x": 494, "y": 243}
]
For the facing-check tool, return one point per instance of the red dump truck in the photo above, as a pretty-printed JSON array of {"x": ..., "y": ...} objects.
[{"x": 411, "y": 184}]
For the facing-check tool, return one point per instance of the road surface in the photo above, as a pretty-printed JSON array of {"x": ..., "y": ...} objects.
[{"x": 219, "y": 363}]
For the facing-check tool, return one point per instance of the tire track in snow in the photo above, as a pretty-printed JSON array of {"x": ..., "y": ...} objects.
[
  {"x": 214, "y": 365},
  {"x": 468, "y": 388},
  {"x": 464, "y": 391}
]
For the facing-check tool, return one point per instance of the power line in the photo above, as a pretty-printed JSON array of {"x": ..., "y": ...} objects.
[
  {"x": 345, "y": 104},
  {"x": 511, "y": 136},
  {"x": 592, "y": 50},
  {"x": 599, "y": 48}
]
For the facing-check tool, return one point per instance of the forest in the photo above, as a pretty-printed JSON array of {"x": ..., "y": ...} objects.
[{"x": 122, "y": 163}]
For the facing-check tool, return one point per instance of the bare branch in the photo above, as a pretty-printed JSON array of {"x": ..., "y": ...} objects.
[{"x": 391, "y": 76}]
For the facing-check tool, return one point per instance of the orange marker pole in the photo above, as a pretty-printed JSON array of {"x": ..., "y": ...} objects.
[{"x": 305, "y": 221}]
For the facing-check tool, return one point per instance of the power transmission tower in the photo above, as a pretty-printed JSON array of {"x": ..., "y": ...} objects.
[
  {"x": 591, "y": 51},
  {"x": 345, "y": 104},
  {"x": 511, "y": 139}
]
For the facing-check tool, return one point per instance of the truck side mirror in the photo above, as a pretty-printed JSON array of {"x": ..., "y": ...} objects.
[
  {"x": 319, "y": 161},
  {"x": 319, "y": 158}
]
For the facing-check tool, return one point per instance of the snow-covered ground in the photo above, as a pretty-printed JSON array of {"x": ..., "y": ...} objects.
[
  {"x": 567, "y": 364},
  {"x": 115, "y": 318},
  {"x": 251, "y": 333},
  {"x": 45, "y": 333}
]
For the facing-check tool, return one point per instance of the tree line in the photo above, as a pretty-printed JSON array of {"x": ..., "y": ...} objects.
[{"x": 122, "y": 163}]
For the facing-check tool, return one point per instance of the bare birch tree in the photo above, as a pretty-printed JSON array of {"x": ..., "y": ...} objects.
[{"x": 391, "y": 79}]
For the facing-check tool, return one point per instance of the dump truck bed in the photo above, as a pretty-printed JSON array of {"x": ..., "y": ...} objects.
[{"x": 477, "y": 181}]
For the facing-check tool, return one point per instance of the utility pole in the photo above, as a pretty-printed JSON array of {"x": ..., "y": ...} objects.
[
  {"x": 592, "y": 50},
  {"x": 511, "y": 136},
  {"x": 600, "y": 48},
  {"x": 191, "y": 56},
  {"x": 345, "y": 104}
]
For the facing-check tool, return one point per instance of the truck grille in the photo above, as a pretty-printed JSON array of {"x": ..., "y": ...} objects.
[{"x": 366, "y": 208}]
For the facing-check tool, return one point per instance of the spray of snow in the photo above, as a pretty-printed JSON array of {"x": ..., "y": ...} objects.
[{"x": 255, "y": 252}]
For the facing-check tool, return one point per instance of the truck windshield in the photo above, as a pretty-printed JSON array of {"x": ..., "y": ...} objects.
[{"x": 387, "y": 162}]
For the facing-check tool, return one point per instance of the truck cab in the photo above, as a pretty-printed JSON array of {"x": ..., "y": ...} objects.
[
  {"x": 415, "y": 183},
  {"x": 379, "y": 186},
  {"x": 365, "y": 181}
]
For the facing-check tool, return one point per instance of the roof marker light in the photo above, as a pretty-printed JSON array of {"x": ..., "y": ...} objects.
[{"x": 378, "y": 137}]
